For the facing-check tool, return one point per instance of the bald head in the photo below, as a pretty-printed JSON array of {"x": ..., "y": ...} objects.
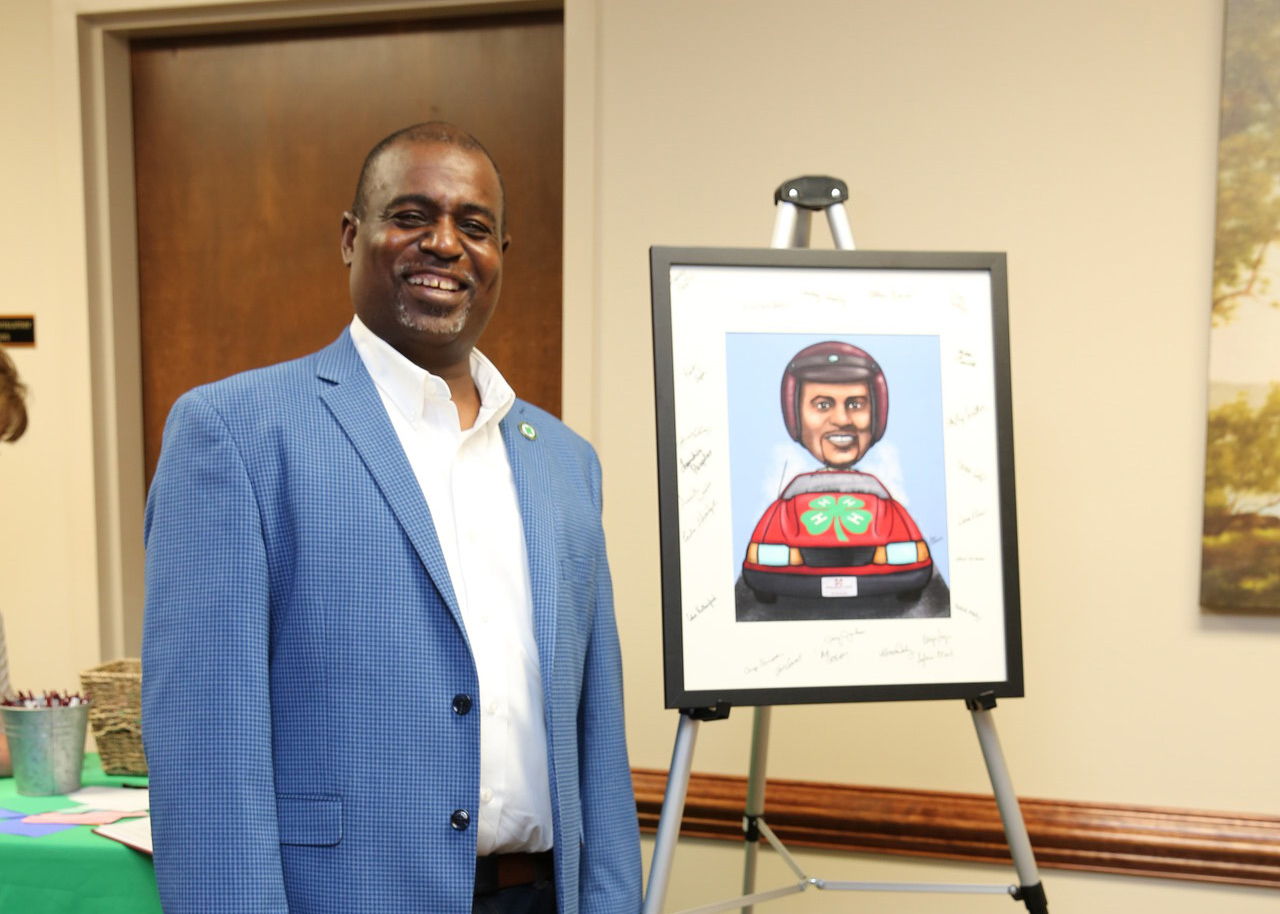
[{"x": 428, "y": 132}]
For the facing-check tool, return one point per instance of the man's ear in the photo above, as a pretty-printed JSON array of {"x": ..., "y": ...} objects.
[
  {"x": 506, "y": 243},
  {"x": 349, "y": 226}
]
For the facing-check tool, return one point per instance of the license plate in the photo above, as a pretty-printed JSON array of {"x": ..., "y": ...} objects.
[{"x": 839, "y": 586}]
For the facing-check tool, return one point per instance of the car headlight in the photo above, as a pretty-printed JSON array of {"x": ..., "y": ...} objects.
[
  {"x": 773, "y": 554},
  {"x": 901, "y": 553}
]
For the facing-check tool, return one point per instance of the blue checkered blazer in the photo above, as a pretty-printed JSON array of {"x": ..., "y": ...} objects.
[{"x": 302, "y": 648}]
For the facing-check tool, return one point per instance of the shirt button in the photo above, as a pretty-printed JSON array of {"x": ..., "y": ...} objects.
[
  {"x": 486, "y": 795},
  {"x": 492, "y": 707},
  {"x": 460, "y": 819},
  {"x": 461, "y": 704}
]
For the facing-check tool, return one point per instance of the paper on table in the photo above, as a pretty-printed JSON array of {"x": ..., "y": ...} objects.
[
  {"x": 18, "y": 827},
  {"x": 90, "y": 817},
  {"x": 125, "y": 799},
  {"x": 136, "y": 833}
]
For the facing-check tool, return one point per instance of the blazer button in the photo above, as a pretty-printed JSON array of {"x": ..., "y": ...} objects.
[
  {"x": 460, "y": 819},
  {"x": 461, "y": 704}
]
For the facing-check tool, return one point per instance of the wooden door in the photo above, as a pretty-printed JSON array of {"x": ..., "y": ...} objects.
[{"x": 247, "y": 150}]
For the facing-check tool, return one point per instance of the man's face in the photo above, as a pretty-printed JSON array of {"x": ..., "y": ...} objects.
[
  {"x": 426, "y": 253},
  {"x": 835, "y": 421}
]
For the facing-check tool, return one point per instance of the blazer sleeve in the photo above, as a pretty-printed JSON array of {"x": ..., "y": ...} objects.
[
  {"x": 206, "y": 712},
  {"x": 610, "y": 868}
]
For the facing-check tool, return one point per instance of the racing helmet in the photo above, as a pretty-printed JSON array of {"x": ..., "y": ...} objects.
[{"x": 832, "y": 362}]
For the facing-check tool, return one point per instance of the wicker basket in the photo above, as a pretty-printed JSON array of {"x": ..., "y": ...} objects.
[{"x": 115, "y": 716}]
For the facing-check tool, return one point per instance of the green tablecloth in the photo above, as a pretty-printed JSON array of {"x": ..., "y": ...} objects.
[{"x": 72, "y": 871}]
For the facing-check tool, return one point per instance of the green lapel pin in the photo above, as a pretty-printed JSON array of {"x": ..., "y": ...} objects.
[{"x": 528, "y": 431}]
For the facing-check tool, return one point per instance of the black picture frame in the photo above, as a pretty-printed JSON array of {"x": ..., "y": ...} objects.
[{"x": 730, "y": 324}]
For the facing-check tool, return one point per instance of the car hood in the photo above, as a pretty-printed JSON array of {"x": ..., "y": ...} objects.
[{"x": 837, "y": 519}]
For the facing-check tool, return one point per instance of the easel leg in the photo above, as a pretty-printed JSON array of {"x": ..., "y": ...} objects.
[
  {"x": 756, "y": 779},
  {"x": 1030, "y": 891},
  {"x": 664, "y": 848}
]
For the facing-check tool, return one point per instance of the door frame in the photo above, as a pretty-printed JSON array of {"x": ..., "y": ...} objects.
[{"x": 94, "y": 152}]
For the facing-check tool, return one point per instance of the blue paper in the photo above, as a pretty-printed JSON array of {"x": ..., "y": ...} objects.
[{"x": 18, "y": 827}]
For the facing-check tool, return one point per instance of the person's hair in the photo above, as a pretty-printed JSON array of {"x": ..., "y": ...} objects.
[
  {"x": 428, "y": 132},
  {"x": 13, "y": 407}
]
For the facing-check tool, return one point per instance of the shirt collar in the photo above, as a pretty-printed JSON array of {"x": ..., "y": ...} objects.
[{"x": 411, "y": 387}]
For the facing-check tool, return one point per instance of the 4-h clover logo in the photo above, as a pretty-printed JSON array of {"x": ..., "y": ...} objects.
[{"x": 843, "y": 512}]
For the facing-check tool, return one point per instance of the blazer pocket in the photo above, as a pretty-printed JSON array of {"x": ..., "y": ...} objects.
[
  {"x": 309, "y": 820},
  {"x": 578, "y": 573}
]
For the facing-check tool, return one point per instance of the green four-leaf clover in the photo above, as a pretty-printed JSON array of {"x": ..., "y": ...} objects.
[{"x": 843, "y": 512}]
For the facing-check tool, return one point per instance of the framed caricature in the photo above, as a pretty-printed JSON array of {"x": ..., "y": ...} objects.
[{"x": 835, "y": 459}]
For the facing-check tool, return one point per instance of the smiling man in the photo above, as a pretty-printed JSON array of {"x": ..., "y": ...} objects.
[
  {"x": 835, "y": 402},
  {"x": 380, "y": 664}
]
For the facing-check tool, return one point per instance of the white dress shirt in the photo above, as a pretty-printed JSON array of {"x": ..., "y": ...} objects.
[{"x": 466, "y": 479}]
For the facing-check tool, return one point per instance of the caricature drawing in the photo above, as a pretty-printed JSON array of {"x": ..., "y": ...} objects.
[{"x": 836, "y": 533}]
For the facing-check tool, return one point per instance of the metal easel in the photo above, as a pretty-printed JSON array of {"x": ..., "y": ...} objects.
[{"x": 797, "y": 200}]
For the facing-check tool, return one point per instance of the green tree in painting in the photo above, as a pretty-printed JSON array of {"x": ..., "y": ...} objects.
[
  {"x": 1242, "y": 472},
  {"x": 1248, "y": 155},
  {"x": 1241, "y": 543}
]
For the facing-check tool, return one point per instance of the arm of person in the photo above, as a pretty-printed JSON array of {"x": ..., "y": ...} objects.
[
  {"x": 610, "y": 868},
  {"x": 205, "y": 686}
]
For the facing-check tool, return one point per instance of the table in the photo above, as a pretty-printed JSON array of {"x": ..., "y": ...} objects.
[{"x": 72, "y": 871}]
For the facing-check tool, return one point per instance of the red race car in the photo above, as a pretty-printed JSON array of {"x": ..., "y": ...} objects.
[{"x": 836, "y": 533}]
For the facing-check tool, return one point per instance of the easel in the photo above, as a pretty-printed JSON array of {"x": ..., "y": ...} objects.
[{"x": 797, "y": 200}]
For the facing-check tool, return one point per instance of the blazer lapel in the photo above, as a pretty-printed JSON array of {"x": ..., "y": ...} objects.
[
  {"x": 353, "y": 399},
  {"x": 530, "y": 469}
]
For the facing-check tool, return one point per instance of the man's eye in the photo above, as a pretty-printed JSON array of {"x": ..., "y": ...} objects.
[
  {"x": 408, "y": 218},
  {"x": 475, "y": 229}
]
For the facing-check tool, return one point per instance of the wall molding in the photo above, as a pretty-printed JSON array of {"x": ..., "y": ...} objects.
[{"x": 1231, "y": 848}]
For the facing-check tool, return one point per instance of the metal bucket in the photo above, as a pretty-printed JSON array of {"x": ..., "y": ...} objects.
[{"x": 47, "y": 747}]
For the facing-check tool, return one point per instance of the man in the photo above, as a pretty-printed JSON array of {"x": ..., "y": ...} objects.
[
  {"x": 380, "y": 665},
  {"x": 835, "y": 402}
]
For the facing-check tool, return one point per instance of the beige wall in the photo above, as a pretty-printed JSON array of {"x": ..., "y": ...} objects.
[{"x": 1077, "y": 136}]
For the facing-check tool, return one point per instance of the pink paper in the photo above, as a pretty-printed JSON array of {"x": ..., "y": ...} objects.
[{"x": 93, "y": 817}]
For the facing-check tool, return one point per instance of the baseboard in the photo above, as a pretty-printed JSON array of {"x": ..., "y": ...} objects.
[{"x": 1234, "y": 848}]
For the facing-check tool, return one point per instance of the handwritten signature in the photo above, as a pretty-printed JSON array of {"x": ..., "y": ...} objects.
[
  {"x": 689, "y": 531},
  {"x": 696, "y": 494},
  {"x": 696, "y": 433},
  {"x": 981, "y": 477},
  {"x": 700, "y": 609},
  {"x": 965, "y": 415},
  {"x": 759, "y": 664},
  {"x": 971, "y": 516},
  {"x": 926, "y": 659},
  {"x": 696, "y": 460}
]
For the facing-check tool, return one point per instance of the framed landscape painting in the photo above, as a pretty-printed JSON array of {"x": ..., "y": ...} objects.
[{"x": 1240, "y": 567}]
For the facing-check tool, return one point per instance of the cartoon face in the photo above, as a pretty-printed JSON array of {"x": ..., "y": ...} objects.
[{"x": 835, "y": 421}]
